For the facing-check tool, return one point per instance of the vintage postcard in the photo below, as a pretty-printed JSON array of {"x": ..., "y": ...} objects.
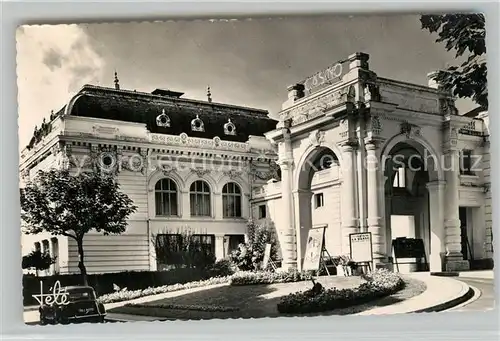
[{"x": 322, "y": 165}]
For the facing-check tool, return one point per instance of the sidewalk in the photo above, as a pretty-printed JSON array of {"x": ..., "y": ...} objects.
[
  {"x": 484, "y": 274},
  {"x": 441, "y": 293}
]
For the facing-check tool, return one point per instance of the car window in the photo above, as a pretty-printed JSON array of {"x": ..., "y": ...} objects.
[{"x": 77, "y": 294}]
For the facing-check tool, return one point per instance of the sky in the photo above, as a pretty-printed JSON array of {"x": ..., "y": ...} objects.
[{"x": 245, "y": 62}]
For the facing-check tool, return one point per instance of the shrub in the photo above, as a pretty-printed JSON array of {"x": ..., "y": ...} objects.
[
  {"x": 182, "y": 249},
  {"x": 250, "y": 255},
  {"x": 378, "y": 284},
  {"x": 222, "y": 268},
  {"x": 267, "y": 277},
  {"x": 125, "y": 295}
]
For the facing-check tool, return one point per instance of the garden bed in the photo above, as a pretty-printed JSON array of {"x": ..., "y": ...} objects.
[
  {"x": 258, "y": 300},
  {"x": 253, "y": 301}
]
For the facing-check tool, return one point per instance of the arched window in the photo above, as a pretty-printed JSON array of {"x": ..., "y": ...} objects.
[
  {"x": 199, "y": 194},
  {"x": 166, "y": 198},
  {"x": 231, "y": 200}
]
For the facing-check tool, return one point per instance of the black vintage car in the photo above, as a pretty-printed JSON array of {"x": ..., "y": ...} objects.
[{"x": 81, "y": 306}]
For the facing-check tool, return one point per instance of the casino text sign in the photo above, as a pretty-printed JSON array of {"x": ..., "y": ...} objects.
[{"x": 331, "y": 75}]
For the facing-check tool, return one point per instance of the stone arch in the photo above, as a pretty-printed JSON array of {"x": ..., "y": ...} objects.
[
  {"x": 224, "y": 179},
  {"x": 158, "y": 175},
  {"x": 302, "y": 168},
  {"x": 309, "y": 164},
  {"x": 421, "y": 145},
  {"x": 214, "y": 188},
  {"x": 411, "y": 207}
]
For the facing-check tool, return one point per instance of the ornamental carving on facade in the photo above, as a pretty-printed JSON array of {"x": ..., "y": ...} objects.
[
  {"x": 315, "y": 108},
  {"x": 376, "y": 124},
  {"x": 163, "y": 120},
  {"x": 167, "y": 169},
  {"x": 273, "y": 172},
  {"x": 232, "y": 174},
  {"x": 447, "y": 106},
  {"x": 409, "y": 130},
  {"x": 316, "y": 138},
  {"x": 200, "y": 172},
  {"x": 216, "y": 141}
]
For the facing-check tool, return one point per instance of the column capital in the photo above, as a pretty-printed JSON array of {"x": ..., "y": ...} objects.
[
  {"x": 349, "y": 146},
  {"x": 372, "y": 143},
  {"x": 285, "y": 163},
  {"x": 434, "y": 185}
]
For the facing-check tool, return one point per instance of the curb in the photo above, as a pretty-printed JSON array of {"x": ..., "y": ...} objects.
[{"x": 467, "y": 295}]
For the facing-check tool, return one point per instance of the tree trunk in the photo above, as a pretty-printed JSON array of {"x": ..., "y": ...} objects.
[{"x": 81, "y": 266}]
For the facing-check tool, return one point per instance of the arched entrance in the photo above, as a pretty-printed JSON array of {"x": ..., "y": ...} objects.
[
  {"x": 316, "y": 198},
  {"x": 413, "y": 199}
]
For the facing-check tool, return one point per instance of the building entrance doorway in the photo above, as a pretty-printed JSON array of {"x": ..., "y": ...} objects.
[{"x": 467, "y": 251}]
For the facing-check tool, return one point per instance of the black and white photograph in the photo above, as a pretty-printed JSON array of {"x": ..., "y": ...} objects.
[{"x": 256, "y": 167}]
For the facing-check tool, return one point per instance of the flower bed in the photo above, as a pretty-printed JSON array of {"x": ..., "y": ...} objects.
[
  {"x": 207, "y": 308},
  {"x": 378, "y": 284},
  {"x": 125, "y": 295},
  {"x": 267, "y": 277}
]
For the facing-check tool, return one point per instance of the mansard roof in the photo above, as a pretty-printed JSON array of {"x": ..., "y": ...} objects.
[{"x": 182, "y": 114}]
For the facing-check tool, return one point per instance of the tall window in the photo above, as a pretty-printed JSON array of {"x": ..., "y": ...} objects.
[
  {"x": 166, "y": 198},
  {"x": 200, "y": 199},
  {"x": 466, "y": 162},
  {"x": 231, "y": 200},
  {"x": 205, "y": 242}
]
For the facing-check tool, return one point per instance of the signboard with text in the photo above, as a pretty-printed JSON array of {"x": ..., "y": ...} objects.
[
  {"x": 314, "y": 248},
  {"x": 361, "y": 247},
  {"x": 329, "y": 76}
]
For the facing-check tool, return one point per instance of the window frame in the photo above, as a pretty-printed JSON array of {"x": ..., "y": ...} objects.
[
  {"x": 202, "y": 195},
  {"x": 169, "y": 193},
  {"x": 236, "y": 195}
]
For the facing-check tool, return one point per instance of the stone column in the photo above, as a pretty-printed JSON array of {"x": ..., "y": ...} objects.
[
  {"x": 454, "y": 257},
  {"x": 219, "y": 246},
  {"x": 375, "y": 205},
  {"x": 217, "y": 206},
  {"x": 288, "y": 232},
  {"x": 437, "y": 237},
  {"x": 303, "y": 221},
  {"x": 349, "y": 221}
]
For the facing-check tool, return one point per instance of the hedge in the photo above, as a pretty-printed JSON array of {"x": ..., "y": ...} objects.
[{"x": 379, "y": 283}]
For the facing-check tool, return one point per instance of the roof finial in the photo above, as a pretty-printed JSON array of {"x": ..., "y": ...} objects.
[
  {"x": 209, "y": 95},
  {"x": 117, "y": 82}
]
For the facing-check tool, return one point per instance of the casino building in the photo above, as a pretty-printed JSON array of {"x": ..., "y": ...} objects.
[{"x": 350, "y": 151}]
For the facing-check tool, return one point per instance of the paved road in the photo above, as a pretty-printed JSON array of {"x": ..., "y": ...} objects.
[{"x": 486, "y": 300}]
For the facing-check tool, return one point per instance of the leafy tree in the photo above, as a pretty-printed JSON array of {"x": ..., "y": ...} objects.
[
  {"x": 62, "y": 204},
  {"x": 38, "y": 261},
  {"x": 464, "y": 33}
]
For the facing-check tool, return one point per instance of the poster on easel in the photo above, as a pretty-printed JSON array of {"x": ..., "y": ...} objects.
[
  {"x": 361, "y": 247},
  {"x": 314, "y": 249}
]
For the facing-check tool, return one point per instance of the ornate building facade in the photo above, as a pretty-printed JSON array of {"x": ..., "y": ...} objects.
[
  {"x": 351, "y": 151},
  {"x": 188, "y": 165},
  {"x": 361, "y": 153}
]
